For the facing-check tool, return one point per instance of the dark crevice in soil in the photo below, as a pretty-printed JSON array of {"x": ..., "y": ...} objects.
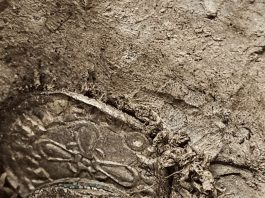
[
  {"x": 170, "y": 172},
  {"x": 171, "y": 99},
  {"x": 229, "y": 174},
  {"x": 3, "y": 5},
  {"x": 229, "y": 163}
]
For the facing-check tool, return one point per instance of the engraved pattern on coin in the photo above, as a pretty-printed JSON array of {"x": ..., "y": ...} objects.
[{"x": 53, "y": 136}]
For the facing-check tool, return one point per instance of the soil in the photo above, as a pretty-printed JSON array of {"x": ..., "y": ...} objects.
[{"x": 197, "y": 66}]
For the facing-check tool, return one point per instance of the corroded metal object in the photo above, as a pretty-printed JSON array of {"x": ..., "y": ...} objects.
[
  {"x": 77, "y": 188},
  {"x": 69, "y": 141}
]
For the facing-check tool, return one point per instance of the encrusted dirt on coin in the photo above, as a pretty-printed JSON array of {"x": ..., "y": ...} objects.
[{"x": 190, "y": 73}]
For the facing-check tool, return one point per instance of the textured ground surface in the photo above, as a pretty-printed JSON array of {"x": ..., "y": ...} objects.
[{"x": 199, "y": 65}]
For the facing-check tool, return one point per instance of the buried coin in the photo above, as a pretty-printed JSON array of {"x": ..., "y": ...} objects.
[{"x": 53, "y": 136}]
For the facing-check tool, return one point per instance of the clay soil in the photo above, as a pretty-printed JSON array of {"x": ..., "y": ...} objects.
[{"x": 199, "y": 64}]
